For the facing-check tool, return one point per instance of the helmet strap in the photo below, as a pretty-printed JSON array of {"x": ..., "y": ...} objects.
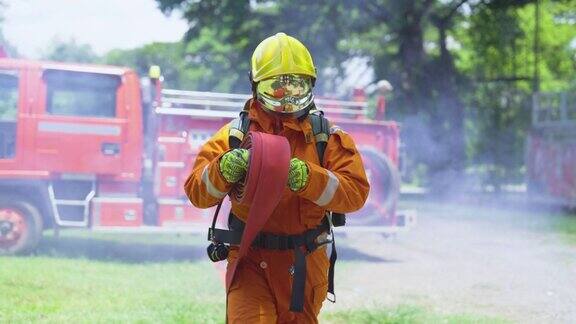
[{"x": 253, "y": 84}]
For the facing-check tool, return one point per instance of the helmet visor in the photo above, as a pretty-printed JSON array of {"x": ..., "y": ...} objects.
[{"x": 286, "y": 94}]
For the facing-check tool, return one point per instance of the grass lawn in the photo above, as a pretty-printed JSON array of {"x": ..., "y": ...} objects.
[
  {"x": 405, "y": 314},
  {"x": 76, "y": 290},
  {"x": 566, "y": 226},
  {"x": 104, "y": 278},
  {"x": 101, "y": 278}
]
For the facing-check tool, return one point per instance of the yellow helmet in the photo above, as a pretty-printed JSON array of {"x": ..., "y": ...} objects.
[
  {"x": 283, "y": 76},
  {"x": 281, "y": 54}
]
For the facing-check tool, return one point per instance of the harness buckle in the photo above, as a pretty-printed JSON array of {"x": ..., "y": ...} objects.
[
  {"x": 211, "y": 234},
  {"x": 324, "y": 238}
]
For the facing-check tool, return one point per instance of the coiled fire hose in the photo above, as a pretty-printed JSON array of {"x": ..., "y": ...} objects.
[{"x": 262, "y": 188}]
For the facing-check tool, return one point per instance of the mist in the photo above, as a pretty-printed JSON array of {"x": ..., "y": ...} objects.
[{"x": 470, "y": 154}]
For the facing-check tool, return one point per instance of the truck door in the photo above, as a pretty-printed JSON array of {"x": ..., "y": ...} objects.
[
  {"x": 9, "y": 96},
  {"x": 82, "y": 126}
]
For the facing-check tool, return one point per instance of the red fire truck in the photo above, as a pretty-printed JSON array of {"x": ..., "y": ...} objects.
[
  {"x": 551, "y": 158},
  {"x": 97, "y": 147}
]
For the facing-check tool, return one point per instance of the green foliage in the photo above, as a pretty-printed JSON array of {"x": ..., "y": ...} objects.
[
  {"x": 4, "y": 45},
  {"x": 497, "y": 55},
  {"x": 223, "y": 34},
  {"x": 202, "y": 64},
  {"x": 557, "y": 48},
  {"x": 463, "y": 71},
  {"x": 169, "y": 56},
  {"x": 497, "y": 108},
  {"x": 404, "y": 314},
  {"x": 218, "y": 65},
  {"x": 70, "y": 51},
  {"x": 566, "y": 226}
]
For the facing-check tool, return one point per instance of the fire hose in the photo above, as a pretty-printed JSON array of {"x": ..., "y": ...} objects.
[{"x": 262, "y": 188}]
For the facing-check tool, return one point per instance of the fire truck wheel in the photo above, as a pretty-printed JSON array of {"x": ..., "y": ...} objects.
[
  {"x": 20, "y": 226},
  {"x": 384, "y": 181}
]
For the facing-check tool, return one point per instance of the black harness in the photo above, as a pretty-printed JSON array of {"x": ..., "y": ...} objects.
[{"x": 302, "y": 244}]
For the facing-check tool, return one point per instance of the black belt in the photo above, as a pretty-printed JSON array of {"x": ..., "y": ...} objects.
[
  {"x": 302, "y": 244},
  {"x": 267, "y": 240}
]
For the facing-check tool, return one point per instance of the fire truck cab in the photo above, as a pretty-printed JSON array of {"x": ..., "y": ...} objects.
[
  {"x": 66, "y": 133},
  {"x": 93, "y": 147},
  {"x": 551, "y": 149}
]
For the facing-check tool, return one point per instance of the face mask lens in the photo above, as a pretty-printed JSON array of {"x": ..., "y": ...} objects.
[{"x": 285, "y": 93}]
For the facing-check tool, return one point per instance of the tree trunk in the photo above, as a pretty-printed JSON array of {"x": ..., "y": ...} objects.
[
  {"x": 449, "y": 120},
  {"x": 413, "y": 60}
]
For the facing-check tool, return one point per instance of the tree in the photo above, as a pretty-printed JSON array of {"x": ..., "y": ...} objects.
[
  {"x": 333, "y": 32},
  {"x": 223, "y": 34},
  {"x": 435, "y": 53},
  {"x": 5, "y": 47},
  {"x": 500, "y": 58},
  {"x": 169, "y": 56},
  {"x": 70, "y": 51}
]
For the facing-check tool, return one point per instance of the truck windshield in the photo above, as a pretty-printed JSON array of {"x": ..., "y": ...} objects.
[
  {"x": 8, "y": 113},
  {"x": 81, "y": 94},
  {"x": 8, "y": 96}
]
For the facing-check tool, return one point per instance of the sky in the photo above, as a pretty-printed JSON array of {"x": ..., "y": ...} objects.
[{"x": 30, "y": 25}]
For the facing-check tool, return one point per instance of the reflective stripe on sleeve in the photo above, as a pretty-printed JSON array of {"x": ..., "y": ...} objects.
[
  {"x": 329, "y": 191},
  {"x": 212, "y": 190}
]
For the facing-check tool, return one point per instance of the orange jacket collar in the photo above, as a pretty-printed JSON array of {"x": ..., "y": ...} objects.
[{"x": 267, "y": 121}]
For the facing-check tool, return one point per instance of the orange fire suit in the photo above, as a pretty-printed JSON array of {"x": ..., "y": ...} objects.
[{"x": 261, "y": 290}]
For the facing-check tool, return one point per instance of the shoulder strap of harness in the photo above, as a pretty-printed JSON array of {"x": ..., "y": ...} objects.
[
  {"x": 238, "y": 129},
  {"x": 321, "y": 131}
]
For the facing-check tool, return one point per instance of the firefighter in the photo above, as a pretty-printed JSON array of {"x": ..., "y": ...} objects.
[
  {"x": 282, "y": 76},
  {"x": 383, "y": 89}
]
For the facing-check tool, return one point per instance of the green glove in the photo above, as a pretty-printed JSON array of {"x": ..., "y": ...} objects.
[
  {"x": 297, "y": 175},
  {"x": 233, "y": 165}
]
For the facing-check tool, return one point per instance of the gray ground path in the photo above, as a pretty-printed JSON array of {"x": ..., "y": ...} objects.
[{"x": 457, "y": 259}]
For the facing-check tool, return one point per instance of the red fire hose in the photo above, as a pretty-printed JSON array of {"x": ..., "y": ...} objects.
[{"x": 265, "y": 181}]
